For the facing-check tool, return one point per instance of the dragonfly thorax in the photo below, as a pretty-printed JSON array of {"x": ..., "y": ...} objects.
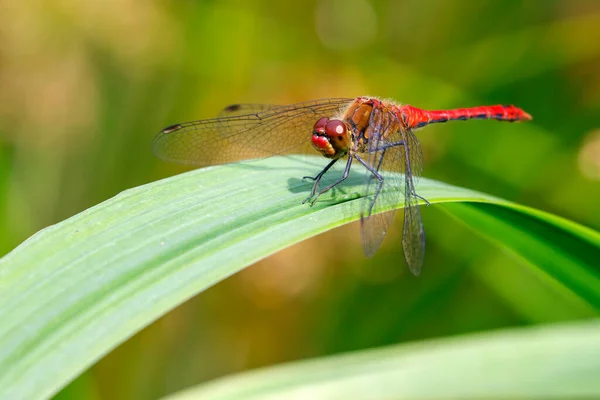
[
  {"x": 368, "y": 119},
  {"x": 331, "y": 138}
]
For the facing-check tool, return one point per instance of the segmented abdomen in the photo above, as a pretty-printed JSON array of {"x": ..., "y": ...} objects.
[{"x": 417, "y": 118}]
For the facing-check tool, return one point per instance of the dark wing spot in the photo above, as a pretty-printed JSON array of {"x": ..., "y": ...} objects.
[
  {"x": 171, "y": 129},
  {"x": 232, "y": 107}
]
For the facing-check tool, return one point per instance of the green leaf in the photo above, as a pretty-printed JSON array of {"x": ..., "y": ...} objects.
[
  {"x": 564, "y": 250},
  {"x": 75, "y": 290},
  {"x": 543, "y": 362}
]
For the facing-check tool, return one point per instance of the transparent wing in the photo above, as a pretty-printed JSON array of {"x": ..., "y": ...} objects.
[
  {"x": 381, "y": 156},
  {"x": 247, "y": 131},
  {"x": 413, "y": 237},
  {"x": 393, "y": 149},
  {"x": 244, "y": 109}
]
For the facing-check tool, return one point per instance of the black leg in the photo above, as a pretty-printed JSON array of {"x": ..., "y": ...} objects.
[
  {"x": 380, "y": 159},
  {"x": 408, "y": 178},
  {"x": 320, "y": 174},
  {"x": 379, "y": 178},
  {"x": 314, "y": 196},
  {"x": 386, "y": 146},
  {"x": 421, "y": 197},
  {"x": 317, "y": 179}
]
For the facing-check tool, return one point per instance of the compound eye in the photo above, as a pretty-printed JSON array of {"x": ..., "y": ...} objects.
[
  {"x": 335, "y": 127},
  {"x": 320, "y": 125}
]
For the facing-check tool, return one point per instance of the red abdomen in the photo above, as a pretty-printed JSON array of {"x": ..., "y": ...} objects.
[{"x": 417, "y": 118}]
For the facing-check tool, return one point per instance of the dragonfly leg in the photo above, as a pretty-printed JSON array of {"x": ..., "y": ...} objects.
[
  {"x": 317, "y": 179},
  {"x": 320, "y": 174},
  {"x": 377, "y": 175},
  {"x": 421, "y": 197},
  {"x": 381, "y": 159},
  {"x": 314, "y": 195},
  {"x": 387, "y": 146},
  {"x": 408, "y": 173}
]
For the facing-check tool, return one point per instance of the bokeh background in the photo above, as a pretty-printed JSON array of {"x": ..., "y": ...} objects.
[{"x": 85, "y": 85}]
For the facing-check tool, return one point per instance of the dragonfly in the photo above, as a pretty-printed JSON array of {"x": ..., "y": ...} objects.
[{"x": 377, "y": 134}]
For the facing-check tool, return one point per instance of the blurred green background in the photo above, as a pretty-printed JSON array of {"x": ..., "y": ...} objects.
[{"x": 85, "y": 85}]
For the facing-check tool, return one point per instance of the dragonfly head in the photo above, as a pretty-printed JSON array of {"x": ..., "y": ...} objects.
[{"x": 331, "y": 137}]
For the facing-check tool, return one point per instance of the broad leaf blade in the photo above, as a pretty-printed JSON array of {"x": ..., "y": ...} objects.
[
  {"x": 561, "y": 361},
  {"x": 75, "y": 290},
  {"x": 564, "y": 250}
]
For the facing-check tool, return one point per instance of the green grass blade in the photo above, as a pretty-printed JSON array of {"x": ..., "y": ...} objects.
[
  {"x": 564, "y": 250},
  {"x": 561, "y": 361},
  {"x": 75, "y": 290}
]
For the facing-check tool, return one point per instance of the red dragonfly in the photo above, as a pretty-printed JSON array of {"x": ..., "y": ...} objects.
[{"x": 375, "y": 133}]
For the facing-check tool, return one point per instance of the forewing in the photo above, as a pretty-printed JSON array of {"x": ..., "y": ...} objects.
[
  {"x": 381, "y": 157},
  {"x": 407, "y": 159},
  {"x": 269, "y": 131},
  {"x": 413, "y": 237},
  {"x": 245, "y": 108}
]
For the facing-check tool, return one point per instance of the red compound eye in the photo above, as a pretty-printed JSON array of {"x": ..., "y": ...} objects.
[
  {"x": 335, "y": 127},
  {"x": 320, "y": 125}
]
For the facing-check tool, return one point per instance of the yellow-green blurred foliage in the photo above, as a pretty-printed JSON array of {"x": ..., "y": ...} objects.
[{"x": 84, "y": 86}]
